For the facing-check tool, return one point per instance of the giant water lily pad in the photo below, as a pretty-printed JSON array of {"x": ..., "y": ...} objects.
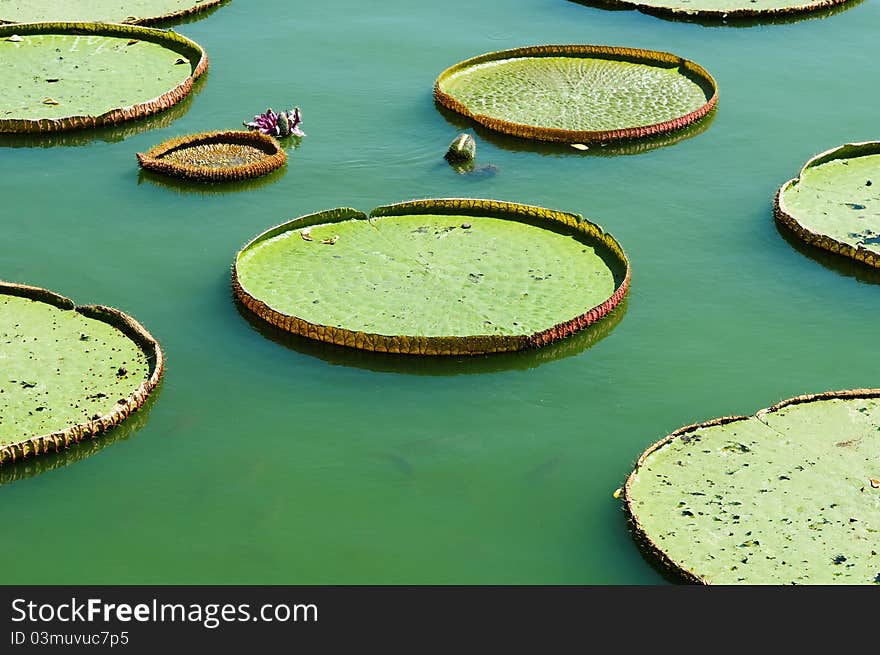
[
  {"x": 67, "y": 372},
  {"x": 216, "y": 156},
  {"x": 722, "y": 9},
  {"x": 835, "y": 202},
  {"x": 578, "y": 93},
  {"x": 434, "y": 277},
  {"x": 141, "y": 12},
  {"x": 787, "y": 496},
  {"x": 62, "y": 76}
]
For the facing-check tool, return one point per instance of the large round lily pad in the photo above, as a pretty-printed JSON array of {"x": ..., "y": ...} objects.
[
  {"x": 787, "y": 496},
  {"x": 66, "y": 372},
  {"x": 63, "y": 76},
  {"x": 140, "y": 12},
  {"x": 835, "y": 202},
  {"x": 578, "y": 93},
  {"x": 433, "y": 277},
  {"x": 216, "y": 156},
  {"x": 721, "y": 9}
]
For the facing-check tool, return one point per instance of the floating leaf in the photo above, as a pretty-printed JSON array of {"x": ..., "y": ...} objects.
[
  {"x": 97, "y": 79},
  {"x": 215, "y": 156},
  {"x": 578, "y": 93},
  {"x": 108, "y": 11},
  {"x": 721, "y": 10},
  {"x": 437, "y": 277},
  {"x": 59, "y": 388},
  {"x": 787, "y": 483},
  {"x": 830, "y": 205}
]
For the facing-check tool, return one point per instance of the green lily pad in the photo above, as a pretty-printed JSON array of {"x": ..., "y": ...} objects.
[
  {"x": 578, "y": 93},
  {"x": 61, "y": 76},
  {"x": 722, "y": 9},
  {"x": 434, "y": 277},
  {"x": 67, "y": 372},
  {"x": 141, "y": 12},
  {"x": 835, "y": 202},
  {"x": 787, "y": 496}
]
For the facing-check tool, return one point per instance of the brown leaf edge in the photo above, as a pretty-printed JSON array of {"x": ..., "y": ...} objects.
[
  {"x": 274, "y": 158},
  {"x": 786, "y": 218}
]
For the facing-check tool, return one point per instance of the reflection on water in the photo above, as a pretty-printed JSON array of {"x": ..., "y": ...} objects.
[
  {"x": 205, "y": 188},
  {"x": 438, "y": 365},
  {"x": 32, "y": 466},
  {"x": 840, "y": 264},
  {"x": 729, "y": 21},
  {"x": 634, "y": 147},
  {"x": 112, "y": 134}
]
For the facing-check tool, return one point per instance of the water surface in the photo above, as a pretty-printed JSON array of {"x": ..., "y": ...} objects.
[{"x": 270, "y": 460}]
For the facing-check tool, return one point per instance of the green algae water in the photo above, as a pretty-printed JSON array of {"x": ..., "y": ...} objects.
[{"x": 268, "y": 459}]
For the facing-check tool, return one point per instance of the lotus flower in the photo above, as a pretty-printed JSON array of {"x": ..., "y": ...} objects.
[{"x": 285, "y": 123}]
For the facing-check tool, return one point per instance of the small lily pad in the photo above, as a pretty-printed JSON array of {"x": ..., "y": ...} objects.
[
  {"x": 578, "y": 94},
  {"x": 69, "y": 373},
  {"x": 833, "y": 203},
  {"x": 216, "y": 156},
  {"x": 434, "y": 277},
  {"x": 781, "y": 497}
]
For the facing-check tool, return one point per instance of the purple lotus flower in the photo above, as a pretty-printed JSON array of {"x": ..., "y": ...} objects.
[{"x": 285, "y": 123}]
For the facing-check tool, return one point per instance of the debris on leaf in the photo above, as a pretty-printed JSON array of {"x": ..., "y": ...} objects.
[
  {"x": 180, "y": 60},
  {"x": 132, "y": 42},
  {"x": 465, "y": 226},
  {"x": 15, "y": 38},
  {"x": 330, "y": 240},
  {"x": 618, "y": 492},
  {"x": 875, "y": 483},
  {"x": 285, "y": 123},
  {"x": 306, "y": 234},
  {"x": 51, "y": 101}
]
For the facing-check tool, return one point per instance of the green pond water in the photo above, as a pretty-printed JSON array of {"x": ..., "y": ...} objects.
[{"x": 267, "y": 459}]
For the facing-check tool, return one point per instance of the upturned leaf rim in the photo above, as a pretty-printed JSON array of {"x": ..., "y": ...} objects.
[
  {"x": 440, "y": 345},
  {"x": 166, "y": 38},
  {"x": 275, "y": 156},
  {"x": 787, "y": 218},
  {"x": 34, "y": 445},
  {"x": 559, "y": 135},
  {"x": 651, "y": 549}
]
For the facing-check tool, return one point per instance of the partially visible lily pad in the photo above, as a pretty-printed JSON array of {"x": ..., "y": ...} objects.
[
  {"x": 140, "y": 12},
  {"x": 782, "y": 497},
  {"x": 63, "y": 76},
  {"x": 721, "y": 9},
  {"x": 835, "y": 202},
  {"x": 578, "y": 93},
  {"x": 434, "y": 277},
  {"x": 67, "y": 372}
]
